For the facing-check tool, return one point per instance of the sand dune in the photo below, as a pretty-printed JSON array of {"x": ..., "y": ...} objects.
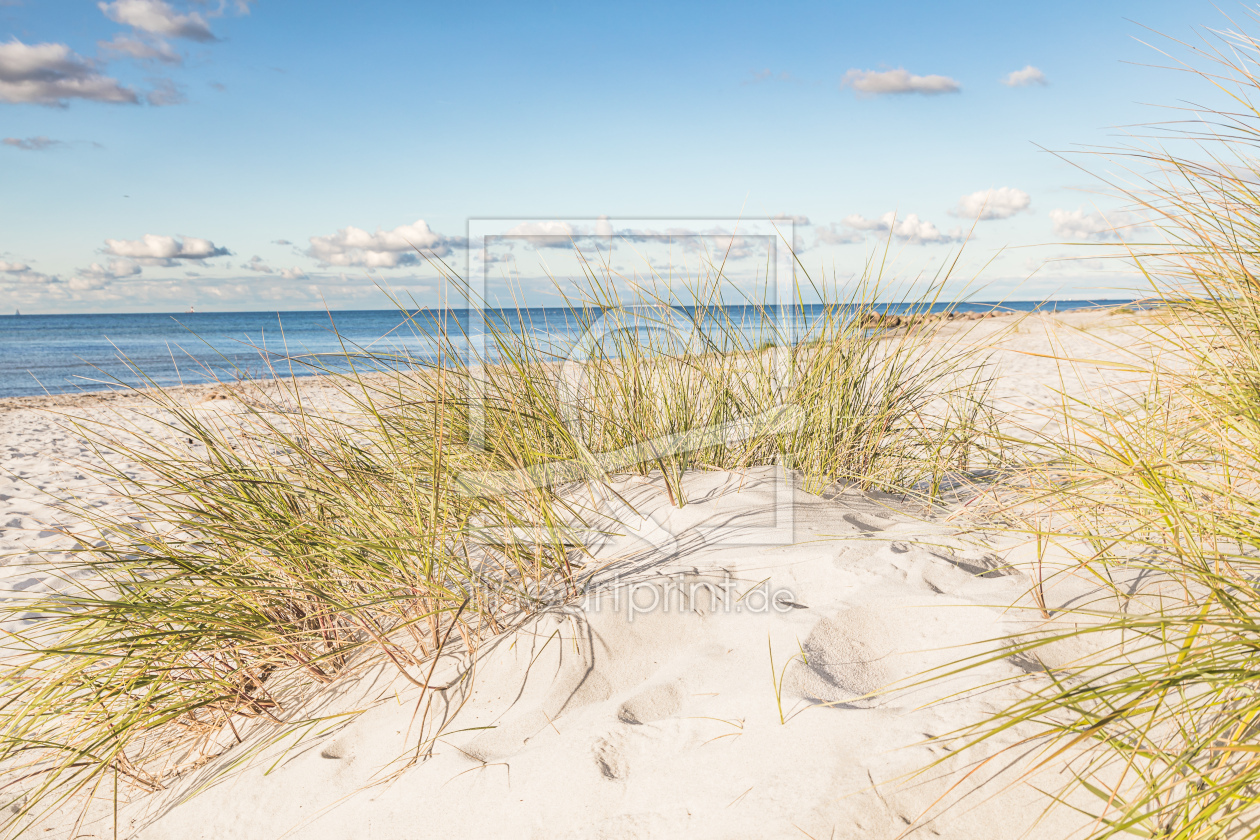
[{"x": 743, "y": 667}]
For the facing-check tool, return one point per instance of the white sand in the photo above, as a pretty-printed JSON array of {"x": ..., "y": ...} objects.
[{"x": 603, "y": 721}]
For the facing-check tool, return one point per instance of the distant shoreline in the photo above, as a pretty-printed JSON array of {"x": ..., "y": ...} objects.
[
  {"x": 107, "y": 393},
  {"x": 1026, "y": 305}
]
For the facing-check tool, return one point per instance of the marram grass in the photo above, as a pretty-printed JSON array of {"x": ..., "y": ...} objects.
[
  {"x": 1157, "y": 498},
  {"x": 255, "y": 556}
]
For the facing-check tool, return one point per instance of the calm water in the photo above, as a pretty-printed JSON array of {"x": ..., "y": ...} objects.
[{"x": 59, "y": 353}]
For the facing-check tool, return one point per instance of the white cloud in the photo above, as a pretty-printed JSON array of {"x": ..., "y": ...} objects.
[
  {"x": 796, "y": 220},
  {"x": 96, "y": 276},
  {"x": 33, "y": 144},
  {"x": 546, "y": 234},
  {"x": 1001, "y": 203},
  {"x": 152, "y": 249},
  {"x": 88, "y": 283},
  {"x": 876, "y": 83},
  {"x": 256, "y": 264},
  {"x": 1023, "y": 78},
  {"x": 50, "y": 74},
  {"x": 862, "y": 223},
  {"x": 715, "y": 242},
  {"x": 1077, "y": 225},
  {"x": 719, "y": 245},
  {"x": 158, "y": 18},
  {"x": 34, "y": 278},
  {"x": 352, "y": 246},
  {"x": 20, "y": 274},
  {"x": 142, "y": 49},
  {"x": 833, "y": 235},
  {"x": 911, "y": 228}
]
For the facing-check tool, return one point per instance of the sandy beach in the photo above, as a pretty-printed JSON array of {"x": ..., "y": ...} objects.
[
  {"x": 599, "y": 421},
  {"x": 743, "y": 667}
]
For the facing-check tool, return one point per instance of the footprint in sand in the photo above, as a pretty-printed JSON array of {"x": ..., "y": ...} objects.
[
  {"x": 337, "y": 750},
  {"x": 653, "y": 704},
  {"x": 656, "y": 704},
  {"x": 853, "y": 656},
  {"x": 848, "y": 652},
  {"x": 610, "y": 759}
]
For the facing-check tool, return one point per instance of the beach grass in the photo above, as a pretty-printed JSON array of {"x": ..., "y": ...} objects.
[
  {"x": 1155, "y": 497},
  {"x": 418, "y": 506}
]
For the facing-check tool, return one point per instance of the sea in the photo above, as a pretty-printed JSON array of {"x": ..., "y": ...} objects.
[{"x": 54, "y": 354}]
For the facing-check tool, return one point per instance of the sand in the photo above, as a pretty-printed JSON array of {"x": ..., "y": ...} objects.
[{"x": 651, "y": 708}]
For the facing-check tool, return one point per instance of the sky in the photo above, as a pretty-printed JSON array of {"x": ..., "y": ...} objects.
[{"x": 276, "y": 154}]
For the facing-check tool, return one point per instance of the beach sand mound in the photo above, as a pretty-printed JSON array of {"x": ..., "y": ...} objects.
[
  {"x": 651, "y": 708},
  {"x": 747, "y": 666}
]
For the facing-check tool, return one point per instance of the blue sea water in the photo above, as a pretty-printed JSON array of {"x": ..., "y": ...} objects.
[{"x": 41, "y": 354}]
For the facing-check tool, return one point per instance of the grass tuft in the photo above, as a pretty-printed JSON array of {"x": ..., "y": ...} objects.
[{"x": 1157, "y": 498}]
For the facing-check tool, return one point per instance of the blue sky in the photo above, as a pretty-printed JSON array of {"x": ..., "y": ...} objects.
[{"x": 152, "y": 149}]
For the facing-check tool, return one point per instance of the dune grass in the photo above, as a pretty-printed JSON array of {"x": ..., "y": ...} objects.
[
  {"x": 416, "y": 505},
  {"x": 1157, "y": 498}
]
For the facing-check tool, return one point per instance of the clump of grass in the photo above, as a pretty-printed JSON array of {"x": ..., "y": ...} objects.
[
  {"x": 416, "y": 505},
  {"x": 256, "y": 552},
  {"x": 838, "y": 399},
  {"x": 1158, "y": 499}
]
